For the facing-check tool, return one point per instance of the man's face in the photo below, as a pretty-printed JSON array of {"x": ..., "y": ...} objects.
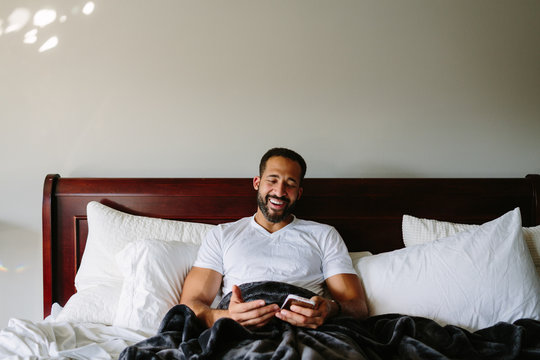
[{"x": 278, "y": 188}]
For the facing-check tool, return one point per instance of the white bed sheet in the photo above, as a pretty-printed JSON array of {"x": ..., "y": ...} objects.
[{"x": 50, "y": 339}]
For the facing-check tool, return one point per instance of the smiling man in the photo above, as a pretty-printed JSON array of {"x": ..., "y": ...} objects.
[
  {"x": 274, "y": 245},
  {"x": 278, "y": 187}
]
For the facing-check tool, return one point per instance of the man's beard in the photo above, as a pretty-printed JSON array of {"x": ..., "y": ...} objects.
[{"x": 274, "y": 217}]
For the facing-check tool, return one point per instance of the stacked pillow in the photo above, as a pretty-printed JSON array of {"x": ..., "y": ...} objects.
[
  {"x": 420, "y": 231},
  {"x": 472, "y": 279},
  {"x": 132, "y": 268}
]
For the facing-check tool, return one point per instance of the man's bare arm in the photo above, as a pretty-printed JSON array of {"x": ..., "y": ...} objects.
[
  {"x": 200, "y": 288},
  {"x": 348, "y": 291},
  {"x": 198, "y": 293}
]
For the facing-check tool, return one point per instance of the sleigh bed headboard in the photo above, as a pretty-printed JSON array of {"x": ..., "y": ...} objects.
[{"x": 367, "y": 212}]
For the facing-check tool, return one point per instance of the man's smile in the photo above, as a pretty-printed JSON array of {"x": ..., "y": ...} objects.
[{"x": 277, "y": 202}]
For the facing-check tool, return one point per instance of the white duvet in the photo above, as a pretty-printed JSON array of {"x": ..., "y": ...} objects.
[{"x": 49, "y": 339}]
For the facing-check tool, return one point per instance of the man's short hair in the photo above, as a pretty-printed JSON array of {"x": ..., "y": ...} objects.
[{"x": 286, "y": 153}]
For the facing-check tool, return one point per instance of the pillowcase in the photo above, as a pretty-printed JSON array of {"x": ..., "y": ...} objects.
[
  {"x": 357, "y": 255},
  {"x": 473, "y": 279},
  {"x": 96, "y": 304},
  {"x": 109, "y": 231},
  {"x": 154, "y": 273},
  {"x": 419, "y": 231}
]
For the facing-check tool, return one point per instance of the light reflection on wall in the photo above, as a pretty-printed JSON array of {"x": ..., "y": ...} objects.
[
  {"x": 18, "y": 269},
  {"x": 30, "y": 37},
  {"x": 19, "y": 19},
  {"x": 49, "y": 44}
]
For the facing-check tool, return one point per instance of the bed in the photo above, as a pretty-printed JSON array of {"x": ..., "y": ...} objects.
[{"x": 374, "y": 216}]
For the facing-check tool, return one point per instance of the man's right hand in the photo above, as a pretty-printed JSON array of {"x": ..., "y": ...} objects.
[{"x": 252, "y": 313}]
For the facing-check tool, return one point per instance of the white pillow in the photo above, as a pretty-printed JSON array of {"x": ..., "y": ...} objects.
[
  {"x": 357, "y": 255},
  {"x": 109, "y": 231},
  {"x": 96, "y": 304},
  {"x": 419, "y": 231},
  {"x": 154, "y": 273},
  {"x": 473, "y": 279}
]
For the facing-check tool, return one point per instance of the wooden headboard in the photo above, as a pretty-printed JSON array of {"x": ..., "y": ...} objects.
[{"x": 367, "y": 212}]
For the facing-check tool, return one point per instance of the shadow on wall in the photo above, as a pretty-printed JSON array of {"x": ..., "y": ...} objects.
[
  {"x": 20, "y": 273},
  {"x": 18, "y": 249}
]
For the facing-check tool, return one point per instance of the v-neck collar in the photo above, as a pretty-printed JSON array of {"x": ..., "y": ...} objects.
[{"x": 260, "y": 228}]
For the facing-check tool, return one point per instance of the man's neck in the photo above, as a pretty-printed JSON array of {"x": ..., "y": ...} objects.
[{"x": 270, "y": 226}]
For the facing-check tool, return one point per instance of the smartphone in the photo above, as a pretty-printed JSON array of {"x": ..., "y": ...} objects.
[{"x": 297, "y": 300}]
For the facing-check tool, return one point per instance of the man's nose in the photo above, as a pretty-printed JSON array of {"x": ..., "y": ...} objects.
[{"x": 281, "y": 189}]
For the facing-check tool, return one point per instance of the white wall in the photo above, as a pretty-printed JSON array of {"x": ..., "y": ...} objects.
[{"x": 175, "y": 88}]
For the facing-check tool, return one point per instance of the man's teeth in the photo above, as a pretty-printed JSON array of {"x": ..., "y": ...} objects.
[{"x": 276, "y": 202}]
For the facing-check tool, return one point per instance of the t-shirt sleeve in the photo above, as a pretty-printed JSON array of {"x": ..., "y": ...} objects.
[
  {"x": 210, "y": 254},
  {"x": 336, "y": 259}
]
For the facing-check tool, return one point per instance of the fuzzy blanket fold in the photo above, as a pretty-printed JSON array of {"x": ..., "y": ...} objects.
[{"x": 181, "y": 336}]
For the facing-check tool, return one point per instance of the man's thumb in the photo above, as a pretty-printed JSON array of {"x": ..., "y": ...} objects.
[{"x": 236, "y": 295}]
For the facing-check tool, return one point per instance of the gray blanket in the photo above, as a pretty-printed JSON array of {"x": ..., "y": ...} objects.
[{"x": 393, "y": 336}]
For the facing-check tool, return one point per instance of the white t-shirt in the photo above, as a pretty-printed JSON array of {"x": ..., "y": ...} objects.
[{"x": 303, "y": 253}]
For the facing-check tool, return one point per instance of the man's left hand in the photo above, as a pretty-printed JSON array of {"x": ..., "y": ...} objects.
[{"x": 307, "y": 317}]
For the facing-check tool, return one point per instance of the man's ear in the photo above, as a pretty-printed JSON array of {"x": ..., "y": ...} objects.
[
  {"x": 256, "y": 182},
  {"x": 300, "y": 192}
]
